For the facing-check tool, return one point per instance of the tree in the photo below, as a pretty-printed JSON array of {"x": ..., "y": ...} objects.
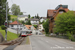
[
  {"x": 35, "y": 26},
  {"x": 15, "y": 9},
  {"x": 28, "y": 22},
  {"x": 29, "y": 16},
  {"x": 32, "y": 17},
  {"x": 21, "y": 13},
  {"x": 3, "y": 12},
  {"x": 65, "y": 23},
  {"x": 46, "y": 26}
]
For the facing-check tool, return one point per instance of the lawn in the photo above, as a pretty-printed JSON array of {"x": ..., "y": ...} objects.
[
  {"x": 10, "y": 35},
  {"x": 13, "y": 16},
  {"x": 27, "y": 40}
]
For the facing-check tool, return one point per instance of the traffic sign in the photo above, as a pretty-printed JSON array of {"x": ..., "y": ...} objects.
[{"x": 6, "y": 24}]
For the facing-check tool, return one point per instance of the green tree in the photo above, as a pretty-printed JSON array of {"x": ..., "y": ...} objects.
[
  {"x": 35, "y": 26},
  {"x": 46, "y": 26},
  {"x": 65, "y": 23},
  {"x": 32, "y": 17},
  {"x": 29, "y": 16},
  {"x": 37, "y": 16},
  {"x": 15, "y": 9},
  {"x": 3, "y": 12},
  {"x": 28, "y": 22},
  {"x": 21, "y": 13}
]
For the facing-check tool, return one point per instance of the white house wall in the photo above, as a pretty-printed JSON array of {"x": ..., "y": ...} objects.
[
  {"x": 41, "y": 27},
  {"x": 15, "y": 26},
  {"x": 22, "y": 18},
  {"x": 41, "y": 20},
  {"x": 34, "y": 22}
]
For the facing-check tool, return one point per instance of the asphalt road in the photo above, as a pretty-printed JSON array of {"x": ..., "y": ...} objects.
[{"x": 50, "y": 43}]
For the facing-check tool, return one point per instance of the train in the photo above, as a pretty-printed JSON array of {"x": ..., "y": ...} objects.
[{"x": 25, "y": 33}]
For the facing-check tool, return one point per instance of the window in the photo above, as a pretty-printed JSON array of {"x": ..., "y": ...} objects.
[
  {"x": 60, "y": 11},
  {"x": 20, "y": 25},
  {"x": 11, "y": 25}
]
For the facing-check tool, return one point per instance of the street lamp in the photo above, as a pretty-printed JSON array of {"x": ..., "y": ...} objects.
[{"x": 6, "y": 23}]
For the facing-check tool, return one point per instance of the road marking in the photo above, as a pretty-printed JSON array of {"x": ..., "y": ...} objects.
[{"x": 57, "y": 46}]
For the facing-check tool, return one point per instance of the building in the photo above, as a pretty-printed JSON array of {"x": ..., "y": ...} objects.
[
  {"x": 30, "y": 27},
  {"x": 34, "y": 21},
  {"x": 42, "y": 19},
  {"x": 15, "y": 25},
  {"x": 40, "y": 27},
  {"x": 52, "y": 15},
  {"x": 23, "y": 17}
]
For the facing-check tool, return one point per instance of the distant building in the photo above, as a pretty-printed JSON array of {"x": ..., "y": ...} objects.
[
  {"x": 34, "y": 21},
  {"x": 52, "y": 15},
  {"x": 15, "y": 25},
  {"x": 42, "y": 19},
  {"x": 23, "y": 17},
  {"x": 40, "y": 27}
]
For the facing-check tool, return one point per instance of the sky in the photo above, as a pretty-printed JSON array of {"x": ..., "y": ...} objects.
[{"x": 40, "y": 7}]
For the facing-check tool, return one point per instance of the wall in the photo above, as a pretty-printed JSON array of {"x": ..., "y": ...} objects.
[
  {"x": 34, "y": 22},
  {"x": 15, "y": 26},
  {"x": 40, "y": 27},
  {"x": 22, "y": 18},
  {"x": 41, "y": 20}
]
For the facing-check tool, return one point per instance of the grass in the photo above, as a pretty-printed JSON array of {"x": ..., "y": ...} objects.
[
  {"x": 27, "y": 40},
  {"x": 13, "y": 16},
  {"x": 10, "y": 35}
]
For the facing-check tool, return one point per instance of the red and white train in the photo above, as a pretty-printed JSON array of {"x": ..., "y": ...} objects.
[{"x": 25, "y": 33}]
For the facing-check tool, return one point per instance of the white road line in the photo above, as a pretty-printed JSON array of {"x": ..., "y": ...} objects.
[{"x": 57, "y": 46}]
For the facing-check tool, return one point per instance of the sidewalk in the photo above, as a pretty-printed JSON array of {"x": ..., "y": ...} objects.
[
  {"x": 23, "y": 47},
  {"x": 3, "y": 46}
]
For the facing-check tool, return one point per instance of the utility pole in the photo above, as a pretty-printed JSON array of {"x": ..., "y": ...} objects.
[
  {"x": 17, "y": 26},
  {"x": 6, "y": 23}
]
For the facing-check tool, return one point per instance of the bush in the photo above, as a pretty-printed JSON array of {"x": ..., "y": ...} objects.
[
  {"x": 2, "y": 27},
  {"x": 72, "y": 39},
  {"x": 69, "y": 36}
]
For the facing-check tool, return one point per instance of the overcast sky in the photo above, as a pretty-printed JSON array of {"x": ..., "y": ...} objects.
[{"x": 33, "y": 7}]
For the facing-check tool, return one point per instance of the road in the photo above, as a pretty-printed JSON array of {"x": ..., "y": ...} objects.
[{"x": 50, "y": 43}]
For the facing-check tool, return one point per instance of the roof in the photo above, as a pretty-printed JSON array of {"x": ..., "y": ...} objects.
[
  {"x": 28, "y": 26},
  {"x": 14, "y": 23},
  {"x": 43, "y": 17},
  {"x": 22, "y": 15},
  {"x": 52, "y": 13},
  {"x": 34, "y": 19}
]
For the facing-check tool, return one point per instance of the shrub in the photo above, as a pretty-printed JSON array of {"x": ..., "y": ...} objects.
[{"x": 2, "y": 27}]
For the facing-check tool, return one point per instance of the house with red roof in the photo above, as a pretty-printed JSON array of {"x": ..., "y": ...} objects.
[
  {"x": 15, "y": 25},
  {"x": 52, "y": 15}
]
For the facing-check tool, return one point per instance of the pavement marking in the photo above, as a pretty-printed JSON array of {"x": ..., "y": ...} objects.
[{"x": 57, "y": 46}]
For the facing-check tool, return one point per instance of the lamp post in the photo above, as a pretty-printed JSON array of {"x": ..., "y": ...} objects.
[{"x": 6, "y": 23}]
